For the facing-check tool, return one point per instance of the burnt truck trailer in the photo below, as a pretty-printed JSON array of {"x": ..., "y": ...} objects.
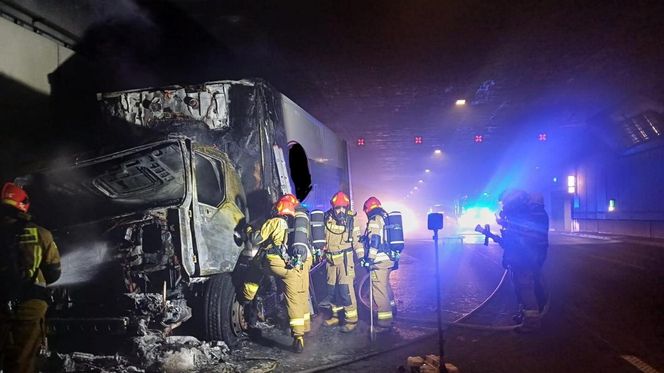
[{"x": 152, "y": 232}]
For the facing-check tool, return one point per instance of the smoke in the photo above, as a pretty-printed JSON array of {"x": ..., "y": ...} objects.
[
  {"x": 82, "y": 264},
  {"x": 119, "y": 9}
]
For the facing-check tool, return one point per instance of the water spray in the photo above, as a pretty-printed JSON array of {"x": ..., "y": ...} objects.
[{"x": 81, "y": 264}]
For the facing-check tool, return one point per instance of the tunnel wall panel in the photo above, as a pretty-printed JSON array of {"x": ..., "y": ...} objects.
[
  {"x": 658, "y": 229},
  {"x": 27, "y": 57},
  {"x": 635, "y": 180},
  {"x": 650, "y": 229}
]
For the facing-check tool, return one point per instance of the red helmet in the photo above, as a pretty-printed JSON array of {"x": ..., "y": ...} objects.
[
  {"x": 340, "y": 199},
  {"x": 14, "y": 195},
  {"x": 371, "y": 204},
  {"x": 285, "y": 206},
  {"x": 290, "y": 198}
]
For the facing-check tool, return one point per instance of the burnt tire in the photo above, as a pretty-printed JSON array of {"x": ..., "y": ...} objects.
[{"x": 222, "y": 315}]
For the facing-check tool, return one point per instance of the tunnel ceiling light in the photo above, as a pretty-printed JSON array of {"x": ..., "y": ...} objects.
[
  {"x": 427, "y": 170},
  {"x": 437, "y": 152},
  {"x": 612, "y": 205},
  {"x": 460, "y": 102}
]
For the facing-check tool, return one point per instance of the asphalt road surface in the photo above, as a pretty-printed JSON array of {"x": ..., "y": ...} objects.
[{"x": 606, "y": 312}]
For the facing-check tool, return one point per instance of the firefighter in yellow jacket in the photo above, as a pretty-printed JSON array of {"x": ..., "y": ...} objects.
[
  {"x": 272, "y": 239},
  {"x": 341, "y": 240},
  {"x": 378, "y": 261},
  {"x": 30, "y": 260},
  {"x": 300, "y": 241}
]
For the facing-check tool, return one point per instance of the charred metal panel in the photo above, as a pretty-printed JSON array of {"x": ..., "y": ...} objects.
[
  {"x": 242, "y": 119},
  {"x": 118, "y": 184},
  {"x": 206, "y": 103},
  {"x": 218, "y": 225}
]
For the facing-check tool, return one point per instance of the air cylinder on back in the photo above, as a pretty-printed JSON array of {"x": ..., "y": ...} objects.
[
  {"x": 318, "y": 229},
  {"x": 394, "y": 228},
  {"x": 299, "y": 237}
]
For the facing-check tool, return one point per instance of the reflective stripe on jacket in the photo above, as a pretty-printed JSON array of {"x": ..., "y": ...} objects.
[
  {"x": 39, "y": 255},
  {"x": 376, "y": 227}
]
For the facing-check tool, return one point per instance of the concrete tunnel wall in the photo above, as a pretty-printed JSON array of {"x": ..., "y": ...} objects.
[
  {"x": 636, "y": 182},
  {"x": 28, "y": 57},
  {"x": 26, "y": 60}
]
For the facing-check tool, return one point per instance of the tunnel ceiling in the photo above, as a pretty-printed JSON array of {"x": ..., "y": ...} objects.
[{"x": 388, "y": 71}]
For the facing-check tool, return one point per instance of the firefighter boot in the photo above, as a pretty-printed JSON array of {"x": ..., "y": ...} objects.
[
  {"x": 332, "y": 321},
  {"x": 518, "y": 318},
  {"x": 298, "y": 344},
  {"x": 348, "y": 327},
  {"x": 531, "y": 321}
]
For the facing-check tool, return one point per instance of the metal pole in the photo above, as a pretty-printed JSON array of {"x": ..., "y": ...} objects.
[
  {"x": 441, "y": 338},
  {"x": 372, "y": 333}
]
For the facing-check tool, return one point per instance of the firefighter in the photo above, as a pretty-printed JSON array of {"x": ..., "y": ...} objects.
[
  {"x": 524, "y": 240},
  {"x": 539, "y": 220},
  {"x": 341, "y": 240},
  {"x": 306, "y": 267},
  {"x": 272, "y": 240},
  {"x": 30, "y": 260},
  {"x": 378, "y": 261},
  {"x": 305, "y": 242}
]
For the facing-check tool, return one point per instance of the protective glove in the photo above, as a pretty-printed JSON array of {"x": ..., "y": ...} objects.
[
  {"x": 296, "y": 261},
  {"x": 366, "y": 263},
  {"x": 301, "y": 251},
  {"x": 317, "y": 254}
]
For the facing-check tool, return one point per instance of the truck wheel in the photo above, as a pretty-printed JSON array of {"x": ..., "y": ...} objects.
[{"x": 222, "y": 314}]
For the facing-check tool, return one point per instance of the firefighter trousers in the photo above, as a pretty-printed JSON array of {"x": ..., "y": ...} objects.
[
  {"x": 294, "y": 291},
  {"x": 21, "y": 335},
  {"x": 380, "y": 280},
  {"x": 252, "y": 276},
  {"x": 523, "y": 280},
  {"x": 306, "y": 267},
  {"x": 340, "y": 277}
]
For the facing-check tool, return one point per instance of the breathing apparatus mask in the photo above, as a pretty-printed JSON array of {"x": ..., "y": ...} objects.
[{"x": 340, "y": 215}]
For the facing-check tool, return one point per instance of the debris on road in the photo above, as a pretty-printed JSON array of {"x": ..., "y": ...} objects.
[
  {"x": 428, "y": 364},
  {"x": 151, "y": 353}
]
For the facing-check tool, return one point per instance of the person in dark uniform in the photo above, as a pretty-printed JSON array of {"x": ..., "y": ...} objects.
[
  {"x": 30, "y": 260},
  {"x": 524, "y": 231}
]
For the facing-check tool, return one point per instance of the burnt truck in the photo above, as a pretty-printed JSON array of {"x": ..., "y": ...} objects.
[{"x": 151, "y": 232}]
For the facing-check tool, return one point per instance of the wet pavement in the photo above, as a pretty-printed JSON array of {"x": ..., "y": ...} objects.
[
  {"x": 605, "y": 314},
  {"x": 470, "y": 272}
]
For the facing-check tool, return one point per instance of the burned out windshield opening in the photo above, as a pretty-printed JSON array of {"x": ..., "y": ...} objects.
[
  {"x": 209, "y": 181},
  {"x": 299, "y": 170}
]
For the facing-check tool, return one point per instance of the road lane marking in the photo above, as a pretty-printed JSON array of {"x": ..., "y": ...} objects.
[{"x": 639, "y": 364}]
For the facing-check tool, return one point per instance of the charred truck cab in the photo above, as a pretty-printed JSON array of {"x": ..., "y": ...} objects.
[
  {"x": 152, "y": 225},
  {"x": 152, "y": 233}
]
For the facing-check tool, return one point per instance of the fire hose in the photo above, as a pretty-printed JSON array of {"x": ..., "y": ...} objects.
[{"x": 457, "y": 323}]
